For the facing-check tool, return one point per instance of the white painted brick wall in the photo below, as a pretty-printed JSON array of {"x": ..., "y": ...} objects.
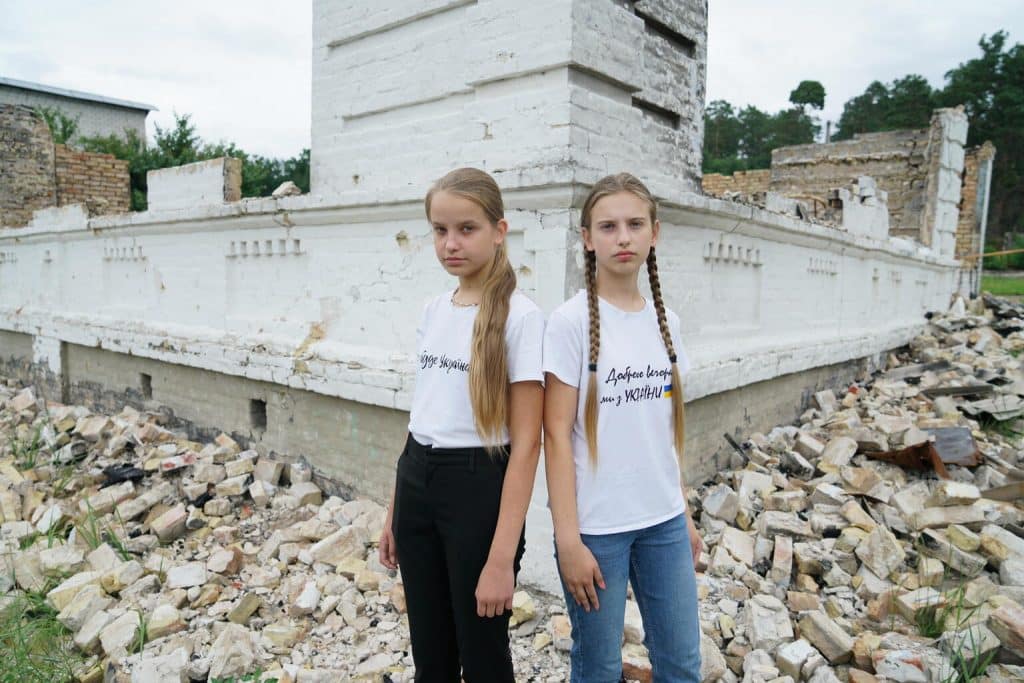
[
  {"x": 403, "y": 94},
  {"x": 238, "y": 288},
  {"x": 198, "y": 184}
]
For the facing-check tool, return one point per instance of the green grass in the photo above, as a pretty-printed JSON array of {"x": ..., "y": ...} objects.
[
  {"x": 26, "y": 452},
  {"x": 36, "y": 647},
  {"x": 1003, "y": 286}
]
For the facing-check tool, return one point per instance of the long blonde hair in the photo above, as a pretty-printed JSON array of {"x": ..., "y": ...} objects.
[
  {"x": 488, "y": 363},
  {"x": 609, "y": 185}
]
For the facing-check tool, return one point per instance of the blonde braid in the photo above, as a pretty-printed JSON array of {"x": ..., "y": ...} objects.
[
  {"x": 590, "y": 407},
  {"x": 678, "y": 416}
]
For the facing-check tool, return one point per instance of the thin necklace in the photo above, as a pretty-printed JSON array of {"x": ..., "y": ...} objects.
[{"x": 460, "y": 304}]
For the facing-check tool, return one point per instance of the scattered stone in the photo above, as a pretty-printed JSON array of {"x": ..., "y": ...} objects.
[
  {"x": 935, "y": 544},
  {"x": 171, "y": 524},
  {"x": 948, "y": 493},
  {"x": 1007, "y": 623},
  {"x": 170, "y": 668},
  {"x": 722, "y": 503},
  {"x": 164, "y": 621},
  {"x": 306, "y": 493},
  {"x": 117, "y": 636},
  {"x": 186, "y": 575},
  {"x": 823, "y": 633},
  {"x": 881, "y": 552},
  {"x": 232, "y": 654},
  {"x": 245, "y": 608}
]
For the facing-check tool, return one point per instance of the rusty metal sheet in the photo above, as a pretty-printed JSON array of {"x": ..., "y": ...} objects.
[{"x": 922, "y": 456}]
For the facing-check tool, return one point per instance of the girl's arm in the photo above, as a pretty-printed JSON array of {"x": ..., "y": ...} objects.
[
  {"x": 497, "y": 580},
  {"x": 579, "y": 569},
  {"x": 696, "y": 542},
  {"x": 387, "y": 552}
]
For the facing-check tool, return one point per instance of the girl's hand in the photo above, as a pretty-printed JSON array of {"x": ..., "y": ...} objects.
[
  {"x": 696, "y": 542},
  {"x": 386, "y": 549},
  {"x": 581, "y": 574},
  {"x": 494, "y": 589}
]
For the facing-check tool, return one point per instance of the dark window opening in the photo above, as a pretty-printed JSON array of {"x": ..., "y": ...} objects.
[
  {"x": 686, "y": 45},
  {"x": 146, "y": 381},
  {"x": 664, "y": 116},
  {"x": 258, "y": 413}
]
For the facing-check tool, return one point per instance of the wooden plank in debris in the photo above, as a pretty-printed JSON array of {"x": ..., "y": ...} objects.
[
  {"x": 969, "y": 390},
  {"x": 1004, "y": 468},
  {"x": 1011, "y": 493},
  {"x": 1002, "y": 407},
  {"x": 910, "y": 371}
]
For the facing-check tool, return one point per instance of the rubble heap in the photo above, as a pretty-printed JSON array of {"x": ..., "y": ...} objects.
[
  {"x": 170, "y": 560},
  {"x": 878, "y": 539}
]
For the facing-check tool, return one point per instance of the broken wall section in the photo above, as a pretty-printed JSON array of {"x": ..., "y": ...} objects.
[
  {"x": 27, "y": 179},
  {"x": 970, "y": 228},
  {"x": 743, "y": 182},
  {"x": 897, "y": 160},
  {"x": 99, "y": 181},
  {"x": 37, "y": 174}
]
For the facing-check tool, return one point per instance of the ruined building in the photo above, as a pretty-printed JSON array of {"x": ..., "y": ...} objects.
[
  {"x": 923, "y": 187},
  {"x": 289, "y": 322},
  {"x": 37, "y": 174}
]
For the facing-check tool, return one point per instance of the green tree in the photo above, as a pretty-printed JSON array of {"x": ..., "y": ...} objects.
[
  {"x": 132, "y": 148},
  {"x": 736, "y": 140},
  {"x": 63, "y": 128},
  {"x": 808, "y": 93},
  {"x": 722, "y": 133},
  {"x": 991, "y": 89},
  {"x": 181, "y": 144},
  {"x": 905, "y": 104}
]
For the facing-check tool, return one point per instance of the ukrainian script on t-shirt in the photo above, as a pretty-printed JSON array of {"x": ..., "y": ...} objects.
[
  {"x": 441, "y": 414},
  {"x": 431, "y": 361},
  {"x": 631, "y": 385}
]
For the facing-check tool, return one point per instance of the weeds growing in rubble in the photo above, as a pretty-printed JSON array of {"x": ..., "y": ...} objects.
[
  {"x": 26, "y": 451},
  {"x": 95, "y": 534},
  {"x": 968, "y": 666},
  {"x": 37, "y": 648}
]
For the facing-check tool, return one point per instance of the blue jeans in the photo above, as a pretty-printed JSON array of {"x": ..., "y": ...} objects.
[{"x": 658, "y": 562}]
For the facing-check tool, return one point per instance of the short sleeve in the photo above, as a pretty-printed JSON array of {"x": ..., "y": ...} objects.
[
  {"x": 422, "y": 326},
  {"x": 563, "y": 349},
  {"x": 682, "y": 360},
  {"x": 525, "y": 348}
]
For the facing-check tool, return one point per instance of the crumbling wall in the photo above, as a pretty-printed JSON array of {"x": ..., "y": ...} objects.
[
  {"x": 37, "y": 174},
  {"x": 27, "y": 180},
  {"x": 897, "y": 160},
  {"x": 744, "y": 182},
  {"x": 977, "y": 161},
  {"x": 99, "y": 181}
]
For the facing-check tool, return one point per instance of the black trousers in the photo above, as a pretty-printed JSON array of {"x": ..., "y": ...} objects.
[{"x": 446, "y": 510}]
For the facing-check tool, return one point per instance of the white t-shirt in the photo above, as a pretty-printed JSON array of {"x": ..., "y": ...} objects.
[
  {"x": 442, "y": 415},
  {"x": 636, "y": 482}
]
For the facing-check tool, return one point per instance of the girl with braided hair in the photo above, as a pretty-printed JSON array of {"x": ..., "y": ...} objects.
[
  {"x": 456, "y": 520},
  {"x": 613, "y": 426}
]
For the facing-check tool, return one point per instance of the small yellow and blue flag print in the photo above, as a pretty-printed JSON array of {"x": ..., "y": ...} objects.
[{"x": 667, "y": 391}]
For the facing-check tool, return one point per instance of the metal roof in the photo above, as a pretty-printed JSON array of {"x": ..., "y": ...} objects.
[{"x": 74, "y": 94}]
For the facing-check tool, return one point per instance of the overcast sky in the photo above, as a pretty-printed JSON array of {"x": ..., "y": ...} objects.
[{"x": 242, "y": 68}]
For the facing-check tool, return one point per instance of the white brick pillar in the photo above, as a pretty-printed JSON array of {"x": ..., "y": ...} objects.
[
  {"x": 949, "y": 135},
  {"x": 539, "y": 92}
]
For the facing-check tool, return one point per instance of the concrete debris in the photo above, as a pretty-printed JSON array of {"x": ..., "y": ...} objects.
[{"x": 826, "y": 556}]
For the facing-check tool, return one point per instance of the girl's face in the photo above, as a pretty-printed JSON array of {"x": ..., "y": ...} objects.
[
  {"x": 465, "y": 240},
  {"x": 621, "y": 233}
]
